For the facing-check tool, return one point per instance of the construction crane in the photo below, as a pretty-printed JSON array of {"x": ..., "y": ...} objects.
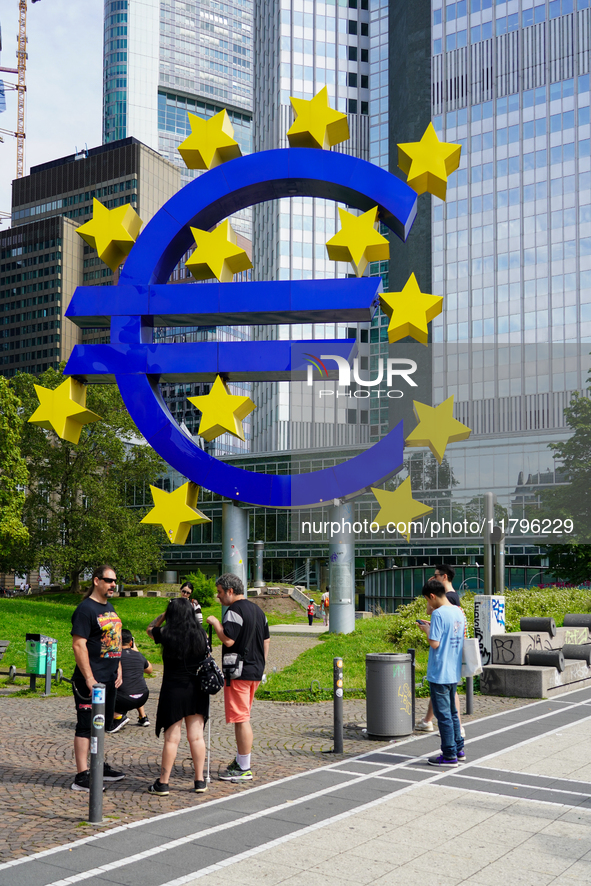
[{"x": 21, "y": 56}]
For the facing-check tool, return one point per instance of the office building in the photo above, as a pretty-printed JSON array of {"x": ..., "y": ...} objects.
[
  {"x": 301, "y": 47},
  {"x": 511, "y": 246},
  {"x": 42, "y": 259},
  {"x": 164, "y": 58}
]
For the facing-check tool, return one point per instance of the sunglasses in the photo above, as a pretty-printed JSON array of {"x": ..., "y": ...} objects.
[
  {"x": 186, "y": 593},
  {"x": 109, "y": 581}
]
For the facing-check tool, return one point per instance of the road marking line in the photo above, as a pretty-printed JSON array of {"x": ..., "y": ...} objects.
[
  {"x": 518, "y": 784},
  {"x": 534, "y": 775}
]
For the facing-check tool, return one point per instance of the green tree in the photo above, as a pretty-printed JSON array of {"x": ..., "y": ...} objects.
[
  {"x": 14, "y": 536},
  {"x": 570, "y": 563},
  {"x": 204, "y": 590},
  {"x": 79, "y": 509},
  {"x": 572, "y": 500}
]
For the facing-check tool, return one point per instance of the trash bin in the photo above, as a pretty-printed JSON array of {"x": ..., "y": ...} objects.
[
  {"x": 388, "y": 694},
  {"x": 37, "y": 653}
]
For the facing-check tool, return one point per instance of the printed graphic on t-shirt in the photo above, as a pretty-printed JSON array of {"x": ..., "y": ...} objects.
[{"x": 110, "y": 625}]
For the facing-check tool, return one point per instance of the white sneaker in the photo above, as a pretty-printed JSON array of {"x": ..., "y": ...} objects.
[{"x": 424, "y": 726}]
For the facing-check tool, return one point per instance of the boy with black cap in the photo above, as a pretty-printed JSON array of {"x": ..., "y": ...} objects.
[{"x": 445, "y": 633}]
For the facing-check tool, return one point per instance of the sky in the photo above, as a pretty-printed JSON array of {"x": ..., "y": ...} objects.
[{"x": 63, "y": 101}]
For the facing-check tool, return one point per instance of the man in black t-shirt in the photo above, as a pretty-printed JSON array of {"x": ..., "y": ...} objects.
[
  {"x": 133, "y": 692},
  {"x": 96, "y": 641},
  {"x": 244, "y": 630}
]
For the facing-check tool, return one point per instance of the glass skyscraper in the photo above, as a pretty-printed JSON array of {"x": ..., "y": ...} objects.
[
  {"x": 511, "y": 246},
  {"x": 509, "y": 250},
  {"x": 300, "y": 47},
  {"x": 164, "y": 58}
]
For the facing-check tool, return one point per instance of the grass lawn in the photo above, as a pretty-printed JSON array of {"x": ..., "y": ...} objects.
[
  {"x": 50, "y": 614},
  {"x": 371, "y": 635},
  {"x": 397, "y": 633}
]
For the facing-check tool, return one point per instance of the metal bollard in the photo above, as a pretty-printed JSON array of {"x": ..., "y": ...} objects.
[
  {"x": 48, "y": 664},
  {"x": 337, "y": 668},
  {"x": 97, "y": 754},
  {"x": 469, "y": 695},
  {"x": 413, "y": 671}
]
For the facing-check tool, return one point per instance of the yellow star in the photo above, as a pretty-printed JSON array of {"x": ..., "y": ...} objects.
[
  {"x": 428, "y": 163},
  {"x": 217, "y": 254},
  {"x": 112, "y": 232},
  {"x": 211, "y": 142},
  {"x": 176, "y": 512},
  {"x": 399, "y": 507},
  {"x": 317, "y": 125},
  {"x": 359, "y": 240},
  {"x": 410, "y": 311},
  {"x": 63, "y": 410},
  {"x": 221, "y": 411},
  {"x": 437, "y": 427}
]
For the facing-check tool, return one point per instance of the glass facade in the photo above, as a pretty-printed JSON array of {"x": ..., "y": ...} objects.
[
  {"x": 164, "y": 59},
  {"x": 512, "y": 244},
  {"x": 302, "y": 47}
]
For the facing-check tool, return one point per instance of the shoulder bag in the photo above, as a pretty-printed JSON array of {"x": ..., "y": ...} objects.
[
  {"x": 471, "y": 660},
  {"x": 211, "y": 679},
  {"x": 233, "y": 662}
]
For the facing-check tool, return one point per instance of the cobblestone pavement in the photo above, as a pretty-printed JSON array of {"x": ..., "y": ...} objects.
[{"x": 37, "y": 763}]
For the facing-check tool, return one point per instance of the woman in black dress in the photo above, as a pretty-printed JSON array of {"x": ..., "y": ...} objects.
[{"x": 184, "y": 646}]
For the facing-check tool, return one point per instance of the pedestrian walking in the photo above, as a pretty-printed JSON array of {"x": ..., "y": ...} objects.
[
  {"x": 187, "y": 592},
  {"x": 244, "y": 631},
  {"x": 324, "y": 603},
  {"x": 445, "y": 574},
  {"x": 96, "y": 641},
  {"x": 184, "y": 647},
  {"x": 445, "y": 633},
  {"x": 133, "y": 692},
  {"x": 310, "y": 611}
]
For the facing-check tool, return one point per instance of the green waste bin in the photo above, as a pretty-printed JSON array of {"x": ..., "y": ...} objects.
[{"x": 37, "y": 653}]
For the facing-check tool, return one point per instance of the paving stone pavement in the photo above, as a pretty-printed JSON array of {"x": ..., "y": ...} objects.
[{"x": 36, "y": 736}]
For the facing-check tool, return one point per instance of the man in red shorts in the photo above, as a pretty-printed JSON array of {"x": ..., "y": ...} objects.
[{"x": 243, "y": 630}]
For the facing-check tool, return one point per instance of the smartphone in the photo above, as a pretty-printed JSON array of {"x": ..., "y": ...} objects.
[{"x": 421, "y": 621}]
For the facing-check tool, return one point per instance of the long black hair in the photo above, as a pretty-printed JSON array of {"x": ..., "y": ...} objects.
[{"x": 182, "y": 636}]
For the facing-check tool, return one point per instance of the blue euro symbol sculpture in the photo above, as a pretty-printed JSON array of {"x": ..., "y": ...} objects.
[{"x": 142, "y": 300}]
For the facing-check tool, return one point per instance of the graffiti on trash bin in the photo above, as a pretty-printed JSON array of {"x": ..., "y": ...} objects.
[{"x": 405, "y": 696}]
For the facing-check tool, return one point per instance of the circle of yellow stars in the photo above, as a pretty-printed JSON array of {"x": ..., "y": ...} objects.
[{"x": 427, "y": 164}]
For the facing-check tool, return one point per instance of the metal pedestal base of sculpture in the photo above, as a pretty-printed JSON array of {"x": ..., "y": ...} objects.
[{"x": 341, "y": 555}]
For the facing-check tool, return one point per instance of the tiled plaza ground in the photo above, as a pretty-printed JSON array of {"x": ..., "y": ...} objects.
[{"x": 39, "y": 810}]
